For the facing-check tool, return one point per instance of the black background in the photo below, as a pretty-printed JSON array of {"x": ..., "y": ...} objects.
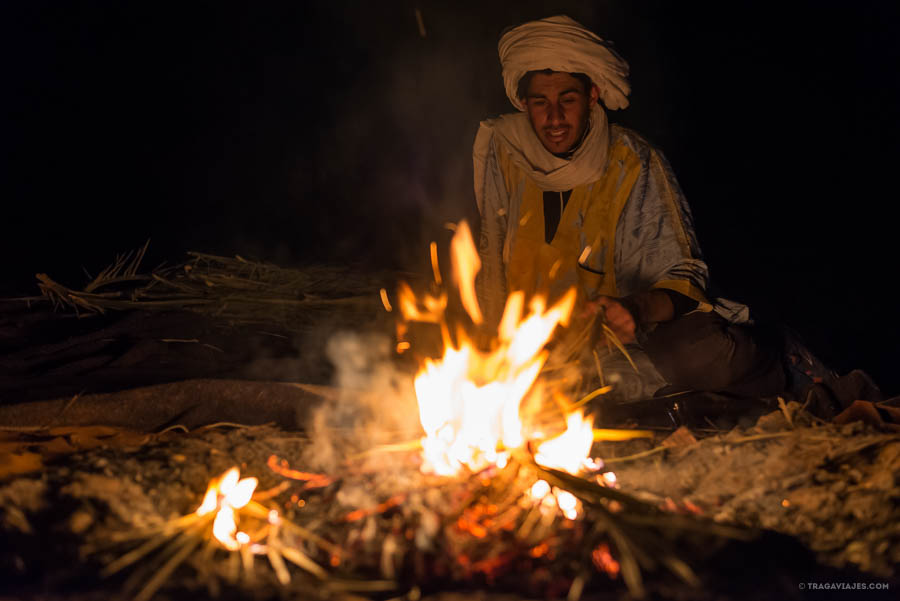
[{"x": 334, "y": 132}]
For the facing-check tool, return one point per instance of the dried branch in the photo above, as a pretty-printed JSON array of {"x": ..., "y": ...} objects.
[{"x": 235, "y": 289}]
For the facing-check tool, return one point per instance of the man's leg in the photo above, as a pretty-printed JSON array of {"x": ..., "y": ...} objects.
[
  {"x": 703, "y": 351},
  {"x": 628, "y": 383}
]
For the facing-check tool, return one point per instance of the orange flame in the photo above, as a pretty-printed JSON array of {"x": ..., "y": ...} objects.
[
  {"x": 466, "y": 266},
  {"x": 469, "y": 400},
  {"x": 225, "y": 495}
]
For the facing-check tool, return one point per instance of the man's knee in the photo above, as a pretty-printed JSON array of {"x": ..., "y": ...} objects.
[{"x": 704, "y": 352}]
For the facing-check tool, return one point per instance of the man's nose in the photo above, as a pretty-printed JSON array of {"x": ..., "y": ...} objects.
[{"x": 556, "y": 115}]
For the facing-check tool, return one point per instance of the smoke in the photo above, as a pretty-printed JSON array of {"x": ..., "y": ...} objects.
[{"x": 375, "y": 405}]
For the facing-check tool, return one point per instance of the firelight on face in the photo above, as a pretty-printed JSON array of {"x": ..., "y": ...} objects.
[{"x": 558, "y": 107}]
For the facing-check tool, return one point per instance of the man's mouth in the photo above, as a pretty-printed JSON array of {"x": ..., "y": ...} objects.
[{"x": 557, "y": 135}]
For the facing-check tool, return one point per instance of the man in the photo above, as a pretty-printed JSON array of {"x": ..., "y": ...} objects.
[{"x": 566, "y": 199}]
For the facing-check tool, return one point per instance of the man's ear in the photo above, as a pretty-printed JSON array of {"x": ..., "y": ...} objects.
[{"x": 595, "y": 94}]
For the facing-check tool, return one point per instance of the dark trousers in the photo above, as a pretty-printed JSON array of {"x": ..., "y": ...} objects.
[{"x": 703, "y": 351}]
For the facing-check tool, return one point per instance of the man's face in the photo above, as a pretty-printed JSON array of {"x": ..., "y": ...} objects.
[{"x": 558, "y": 108}]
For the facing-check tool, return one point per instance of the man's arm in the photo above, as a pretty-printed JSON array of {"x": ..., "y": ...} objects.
[
  {"x": 659, "y": 268},
  {"x": 493, "y": 207},
  {"x": 656, "y": 247},
  {"x": 626, "y": 315}
]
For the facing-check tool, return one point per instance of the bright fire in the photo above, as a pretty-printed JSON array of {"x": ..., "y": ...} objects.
[
  {"x": 225, "y": 495},
  {"x": 470, "y": 399}
]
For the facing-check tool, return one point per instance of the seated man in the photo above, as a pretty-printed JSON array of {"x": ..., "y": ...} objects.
[{"x": 566, "y": 199}]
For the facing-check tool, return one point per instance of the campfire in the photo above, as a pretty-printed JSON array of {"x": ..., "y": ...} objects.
[
  {"x": 502, "y": 483},
  {"x": 470, "y": 401}
]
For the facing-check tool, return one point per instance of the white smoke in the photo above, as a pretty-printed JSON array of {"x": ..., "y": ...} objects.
[{"x": 375, "y": 405}]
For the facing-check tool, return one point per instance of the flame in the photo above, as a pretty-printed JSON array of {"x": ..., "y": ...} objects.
[
  {"x": 224, "y": 495},
  {"x": 469, "y": 399},
  {"x": 466, "y": 265},
  {"x": 569, "y": 450}
]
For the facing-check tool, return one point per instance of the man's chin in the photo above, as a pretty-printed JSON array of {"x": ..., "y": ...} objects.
[{"x": 557, "y": 147}]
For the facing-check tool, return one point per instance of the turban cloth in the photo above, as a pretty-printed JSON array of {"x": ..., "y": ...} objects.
[{"x": 562, "y": 44}]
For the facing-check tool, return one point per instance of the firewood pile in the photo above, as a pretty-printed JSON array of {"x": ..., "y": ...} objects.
[{"x": 234, "y": 289}]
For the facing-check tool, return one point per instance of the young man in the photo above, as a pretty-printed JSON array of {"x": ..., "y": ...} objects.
[{"x": 566, "y": 199}]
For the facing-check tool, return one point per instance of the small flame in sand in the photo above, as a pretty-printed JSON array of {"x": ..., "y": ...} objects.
[{"x": 225, "y": 495}]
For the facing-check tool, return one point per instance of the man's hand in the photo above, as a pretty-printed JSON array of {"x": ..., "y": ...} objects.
[
  {"x": 619, "y": 319},
  {"x": 625, "y": 315}
]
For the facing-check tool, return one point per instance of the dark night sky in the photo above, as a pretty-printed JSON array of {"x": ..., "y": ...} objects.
[{"x": 332, "y": 131}]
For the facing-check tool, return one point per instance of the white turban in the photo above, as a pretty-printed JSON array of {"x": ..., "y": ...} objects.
[{"x": 562, "y": 44}]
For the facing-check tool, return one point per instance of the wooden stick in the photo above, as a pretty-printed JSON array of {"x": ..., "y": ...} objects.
[
  {"x": 152, "y": 544},
  {"x": 281, "y": 571},
  {"x": 166, "y": 570},
  {"x": 299, "y": 559}
]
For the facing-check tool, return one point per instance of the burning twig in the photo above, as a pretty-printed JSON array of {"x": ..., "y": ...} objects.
[
  {"x": 636, "y": 528},
  {"x": 215, "y": 522},
  {"x": 359, "y": 514},
  {"x": 283, "y": 468}
]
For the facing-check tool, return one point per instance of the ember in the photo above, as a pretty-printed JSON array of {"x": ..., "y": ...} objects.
[
  {"x": 283, "y": 468},
  {"x": 603, "y": 560}
]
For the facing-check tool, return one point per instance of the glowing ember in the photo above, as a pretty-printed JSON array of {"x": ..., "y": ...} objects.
[
  {"x": 282, "y": 467},
  {"x": 603, "y": 560},
  {"x": 553, "y": 498},
  {"x": 224, "y": 495}
]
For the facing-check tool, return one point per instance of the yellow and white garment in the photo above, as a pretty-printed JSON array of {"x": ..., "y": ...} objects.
[{"x": 627, "y": 231}]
